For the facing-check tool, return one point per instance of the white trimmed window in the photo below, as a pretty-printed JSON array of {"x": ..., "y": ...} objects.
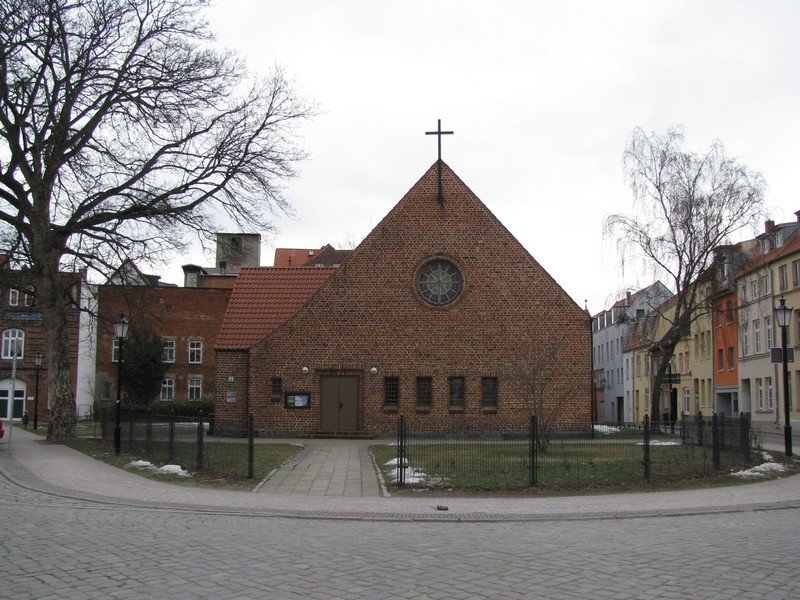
[
  {"x": 13, "y": 343},
  {"x": 13, "y": 297},
  {"x": 195, "y": 388},
  {"x": 115, "y": 350},
  {"x": 757, "y": 336},
  {"x": 169, "y": 351},
  {"x": 168, "y": 389},
  {"x": 768, "y": 385},
  {"x": 768, "y": 330},
  {"x": 760, "y": 393},
  {"x": 195, "y": 352}
]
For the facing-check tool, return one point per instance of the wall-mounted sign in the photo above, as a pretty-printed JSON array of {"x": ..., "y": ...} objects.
[{"x": 297, "y": 400}]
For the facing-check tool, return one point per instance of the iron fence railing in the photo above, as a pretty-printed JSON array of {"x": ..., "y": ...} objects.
[
  {"x": 187, "y": 441},
  {"x": 544, "y": 455}
]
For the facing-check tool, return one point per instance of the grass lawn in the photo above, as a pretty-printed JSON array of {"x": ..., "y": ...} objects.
[
  {"x": 568, "y": 466},
  {"x": 225, "y": 462}
]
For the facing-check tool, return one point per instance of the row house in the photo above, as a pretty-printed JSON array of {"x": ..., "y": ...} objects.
[
  {"x": 724, "y": 361},
  {"x": 611, "y": 330}
]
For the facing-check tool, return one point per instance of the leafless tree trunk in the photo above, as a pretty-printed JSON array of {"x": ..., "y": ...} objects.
[
  {"x": 122, "y": 129},
  {"x": 687, "y": 205}
]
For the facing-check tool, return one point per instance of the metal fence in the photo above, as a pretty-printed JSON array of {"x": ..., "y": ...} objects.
[
  {"x": 186, "y": 441},
  {"x": 542, "y": 455}
]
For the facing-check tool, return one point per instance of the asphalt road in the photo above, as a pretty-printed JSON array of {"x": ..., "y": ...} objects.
[{"x": 56, "y": 547}]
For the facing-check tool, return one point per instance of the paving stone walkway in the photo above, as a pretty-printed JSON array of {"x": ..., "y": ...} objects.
[{"x": 327, "y": 468}]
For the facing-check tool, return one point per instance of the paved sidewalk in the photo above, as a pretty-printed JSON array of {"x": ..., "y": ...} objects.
[
  {"x": 58, "y": 470},
  {"x": 326, "y": 468}
]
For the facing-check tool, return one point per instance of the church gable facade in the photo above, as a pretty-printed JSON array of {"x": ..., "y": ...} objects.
[{"x": 439, "y": 315}]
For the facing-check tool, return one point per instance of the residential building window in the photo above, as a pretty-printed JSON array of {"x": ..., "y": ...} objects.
[
  {"x": 28, "y": 296},
  {"x": 754, "y": 289},
  {"x": 195, "y": 352},
  {"x": 764, "y": 285},
  {"x": 745, "y": 339},
  {"x": 688, "y": 363},
  {"x": 721, "y": 358},
  {"x": 424, "y": 391},
  {"x": 115, "y": 350},
  {"x": 718, "y": 311},
  {"x": 647, "y": 400},
  {"x": 768, "y": 331},
  {"x": 13, "y": 297},
  {"x": 729, "y": 311},
  {"x": 687, "y": 397},
  {"x": 757, "y": 336},
  {"x": 168, "y": 389},
  {"x": 731, "y": 359},
  {"x": 760, "y": 393},
  {"x": 489, "y": 391},
  {"x": 770, "y": 397},
  {"x": 391, "y": 391},
  {"x": 105, "y": 390},
  {"x": 168, "y": 355},
  {"x": 796, "y": 273},
  {"x": 13, "y": 343},
  {"x": 457, "y": 392},
  {"x": 783, "y": 278},
  {"x": 195, "y": 388},
  {"x": 277, "y": 387}
]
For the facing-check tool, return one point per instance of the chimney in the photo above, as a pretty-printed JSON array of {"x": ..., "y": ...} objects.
[
  {"x": 768, "y": 225},
  {"x": 627, "y": 298}
]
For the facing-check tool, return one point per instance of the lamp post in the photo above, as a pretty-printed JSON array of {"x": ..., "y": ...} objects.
[
  {"x": 121, "y": 330},
  {"x": 783, "y": 315},
  {"x": 38, "y": 361}
]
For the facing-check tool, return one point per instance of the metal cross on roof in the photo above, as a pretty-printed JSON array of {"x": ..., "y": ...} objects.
[{"x": 439, "y": 133}]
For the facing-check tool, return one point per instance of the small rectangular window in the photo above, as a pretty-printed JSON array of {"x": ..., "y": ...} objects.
[
  {"x": 195, "y": 388},
  {"x": 277, "y": 388},
  {"x": 115, "y": 350},
  {"x": 489, "y": 391},
  {"x": 391, "y": 391},
  {"x": 457, "y": 392},
  {"x": 169, "y": 351},
  {"x": 195, "y": 352},
  {"x": 168, "y": 389},
  {"x": 13, "y": 297},
  {"x": 424, "y": 391}
]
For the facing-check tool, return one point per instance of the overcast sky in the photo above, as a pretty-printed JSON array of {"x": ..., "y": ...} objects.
[{"x": 542, "y": 97}]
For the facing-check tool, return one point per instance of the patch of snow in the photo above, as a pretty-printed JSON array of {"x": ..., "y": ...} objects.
[
  {"x": 410, "y": 475},
  {"x": 174, "y": 470},
  {"x": 761, "y": 470},
  {"x": 606, "y": 429},
  {"x": 661, "y": 443},
  {"x": 141, "y": 464},
  {"x": 767, "y": 457},
  {"x": 393, "y": 463}
]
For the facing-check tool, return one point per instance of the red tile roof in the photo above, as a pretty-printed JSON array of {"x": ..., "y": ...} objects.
[
  {"x": 263, "y": 299},
  {"x": 293, "y": 257}
]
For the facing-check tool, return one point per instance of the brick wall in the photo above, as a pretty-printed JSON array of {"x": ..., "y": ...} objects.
[
  {"x": 509, "y": 314},
  {"x": 178, "y": 314}
]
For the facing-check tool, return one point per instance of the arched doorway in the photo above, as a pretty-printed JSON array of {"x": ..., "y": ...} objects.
[{"x": 19, "y": 399}]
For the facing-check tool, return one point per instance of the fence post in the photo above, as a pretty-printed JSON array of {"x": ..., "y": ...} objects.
[
  {"x": 149, "y": 435},
  {"x": 200, "y": 440},
  {"x": 683, "y": 428},
  {"x": 744, "y": 435},
  {"x": 130, "y": 432},
  {"x": 715, "y": 440},
  {"x": 401, "y": 451},
  {"x": 646, "y": 448},
  {"x": 701, "y": 428},
  {"x": 534, "y": 442},
  {"x": 251, "y": 447},
  {"x": 171, "y": 437}
]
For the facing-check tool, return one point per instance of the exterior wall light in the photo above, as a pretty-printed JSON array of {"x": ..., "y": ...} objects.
[
  {"x": 304, "y": 370},
  {"x": 374, "y": 370}
]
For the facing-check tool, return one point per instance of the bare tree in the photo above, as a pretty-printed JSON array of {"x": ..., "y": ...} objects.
[
  {"x": 121, "y": 128},
  {"x": 688, "y": 205}
]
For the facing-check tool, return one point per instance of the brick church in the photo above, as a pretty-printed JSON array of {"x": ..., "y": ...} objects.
[{"x": 439, "y": 314}]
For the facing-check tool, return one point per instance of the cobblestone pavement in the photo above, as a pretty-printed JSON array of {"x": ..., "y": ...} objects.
[{"x": 55, "y": 547}]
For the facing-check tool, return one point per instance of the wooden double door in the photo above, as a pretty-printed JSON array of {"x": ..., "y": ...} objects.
[{"x": 338, "y": 405}]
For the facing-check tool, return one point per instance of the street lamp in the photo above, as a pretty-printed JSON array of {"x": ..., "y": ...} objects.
[
  {"x": 783, "y": 316},
  {"x": 121, "y": 330},
  {"x": 38, "y": 361}
]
